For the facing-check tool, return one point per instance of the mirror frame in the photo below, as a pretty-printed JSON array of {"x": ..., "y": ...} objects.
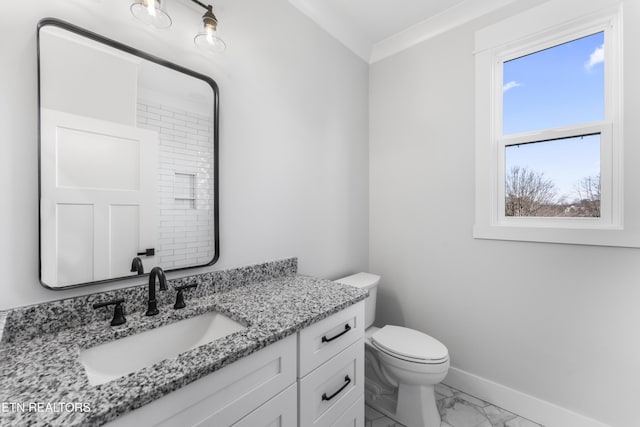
[{"x": 162, "y": 62}]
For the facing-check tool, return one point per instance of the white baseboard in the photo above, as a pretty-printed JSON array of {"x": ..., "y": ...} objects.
[{"x": 532, "y": 408}]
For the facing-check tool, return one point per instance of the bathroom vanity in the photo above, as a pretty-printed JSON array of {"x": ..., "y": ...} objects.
[
  {"x": 128, "y": 185},
  {"x": 297, "y": 360}
]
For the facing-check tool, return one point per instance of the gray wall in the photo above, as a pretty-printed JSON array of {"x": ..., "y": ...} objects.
[
  {"x": 557, "y": 322},
  {"x": 293, "y": 141}
]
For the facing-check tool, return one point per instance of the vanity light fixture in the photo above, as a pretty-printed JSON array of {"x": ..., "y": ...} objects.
[
  {"x": 207, "y": 39},
  {"x": 153, "y": 12}
]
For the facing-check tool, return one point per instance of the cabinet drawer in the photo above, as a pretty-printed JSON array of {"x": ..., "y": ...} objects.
[
  {"x": 327, "y": 392},
  {"x": 281, "y": 411},
  {"x": 328, "y": 337},
  {"x": 352, "y": 417}
]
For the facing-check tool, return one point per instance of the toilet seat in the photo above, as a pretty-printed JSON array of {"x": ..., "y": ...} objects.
[{"x": 410, "y": 345}]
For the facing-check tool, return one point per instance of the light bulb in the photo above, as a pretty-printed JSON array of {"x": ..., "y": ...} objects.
[
  {"x": 151, "y": 12},
  {"x": 207, "y": 38}
]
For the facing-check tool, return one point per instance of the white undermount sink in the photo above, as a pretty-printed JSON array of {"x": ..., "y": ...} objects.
[{"x": 113, "y": 359}]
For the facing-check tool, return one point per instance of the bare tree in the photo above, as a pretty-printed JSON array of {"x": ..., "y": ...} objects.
[
  {"x": 527, "y": 192},
  {"x": 588, "y": 191}
]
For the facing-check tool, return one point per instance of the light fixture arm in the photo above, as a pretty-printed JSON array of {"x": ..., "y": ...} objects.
[
  {"x": 202, "y": 5},
  {"x": 153, "y": 12}
]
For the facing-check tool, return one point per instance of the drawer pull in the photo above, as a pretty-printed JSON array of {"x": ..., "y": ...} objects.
[
  {"x": 347, "y": 328},
  {"x": 347, "y": 381}
]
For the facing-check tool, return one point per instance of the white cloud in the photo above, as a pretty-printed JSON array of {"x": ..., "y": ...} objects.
[
  {"x": 596, "y": 57},
  {"x": 510, "y": 85}
]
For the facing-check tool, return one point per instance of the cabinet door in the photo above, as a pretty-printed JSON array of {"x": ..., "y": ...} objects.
[
  {"x": 327, "y": 392},
  {"x": 280, "y": 411}
]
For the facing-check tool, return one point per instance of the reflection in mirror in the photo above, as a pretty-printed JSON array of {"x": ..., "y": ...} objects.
[{"x": 128, "y": 165}]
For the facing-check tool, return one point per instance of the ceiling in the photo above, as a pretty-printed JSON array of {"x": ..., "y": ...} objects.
[{"x": 375, "y": 29}]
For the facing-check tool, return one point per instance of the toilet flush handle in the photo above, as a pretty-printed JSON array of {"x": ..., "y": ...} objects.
[{"x": 347, "y": 328}]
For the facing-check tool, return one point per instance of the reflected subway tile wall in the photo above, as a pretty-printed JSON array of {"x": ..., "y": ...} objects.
[{"x": 186, "y": 226}]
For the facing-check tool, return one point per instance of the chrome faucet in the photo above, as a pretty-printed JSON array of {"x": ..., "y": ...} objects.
[
  {"x": 136, "y": 265},
  {"x": 152, "y": 306}
]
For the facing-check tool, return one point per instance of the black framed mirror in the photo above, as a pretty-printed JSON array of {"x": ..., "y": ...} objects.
[{"x": 128, "y": 160}]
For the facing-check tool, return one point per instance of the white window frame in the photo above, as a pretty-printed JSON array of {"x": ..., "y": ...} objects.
[{"x": 545, "y": 26}]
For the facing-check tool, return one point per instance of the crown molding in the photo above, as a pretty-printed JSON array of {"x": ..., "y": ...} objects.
[
  {"x": 343, "y": 30},
  {"x": 453, "y": 17}
]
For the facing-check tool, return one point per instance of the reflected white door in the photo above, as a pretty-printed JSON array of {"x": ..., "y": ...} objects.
[{"x": 98, "y": 197}]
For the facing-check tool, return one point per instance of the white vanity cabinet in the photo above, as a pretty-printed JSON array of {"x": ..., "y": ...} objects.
[
  {"x": 331, "y": 370},
  {"x": 281, "y": 411},
  {"x": 312, "y": 378},
  {"x": 258, "y": 381}
]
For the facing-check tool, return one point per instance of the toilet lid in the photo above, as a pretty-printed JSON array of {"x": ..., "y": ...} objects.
[{"x": 409, "y": 343}]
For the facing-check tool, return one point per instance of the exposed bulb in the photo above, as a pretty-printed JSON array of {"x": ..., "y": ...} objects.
[
  {"x": 207, "y": 38},
  {"x": 151, "y": 8},
  {"x": 151, "y": 12}
]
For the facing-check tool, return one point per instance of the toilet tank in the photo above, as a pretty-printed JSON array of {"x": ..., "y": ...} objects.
[{"x": 365, "y": 281}]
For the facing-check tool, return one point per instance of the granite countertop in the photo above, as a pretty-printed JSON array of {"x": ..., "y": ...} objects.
[{"x": 44, "y": 369}]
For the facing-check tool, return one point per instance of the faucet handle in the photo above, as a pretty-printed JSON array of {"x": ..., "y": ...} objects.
[
  {"x": 118, "y": 311},
  {"x": 180, "y": 297},
  {"x": 137, "y": 266}
]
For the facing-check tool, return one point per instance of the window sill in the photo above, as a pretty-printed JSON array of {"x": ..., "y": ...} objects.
[{"x": 546, "y": 233}]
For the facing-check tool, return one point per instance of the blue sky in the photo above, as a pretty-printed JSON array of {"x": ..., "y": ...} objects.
[{"x": 561, "y": 86}]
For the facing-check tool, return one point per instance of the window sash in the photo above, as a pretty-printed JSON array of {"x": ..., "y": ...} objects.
[
  {"x": 606, "y": 218},
  {"x": 609, "y": 194},
  {"x": 546, "y": 43}
]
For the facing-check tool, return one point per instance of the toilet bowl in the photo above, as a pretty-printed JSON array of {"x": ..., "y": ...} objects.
[{"x": 402, "y": 365}]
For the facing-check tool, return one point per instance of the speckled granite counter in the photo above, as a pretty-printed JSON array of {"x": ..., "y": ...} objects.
[{"x": 42, "y": 367}]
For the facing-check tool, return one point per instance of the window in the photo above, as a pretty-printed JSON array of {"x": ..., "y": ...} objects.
[
  {"x": 559, "y": 89},
  {"x": 548, "y": 139}
]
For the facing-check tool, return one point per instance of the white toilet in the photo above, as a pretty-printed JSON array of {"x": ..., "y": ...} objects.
[{"x": 402, "y": 365}]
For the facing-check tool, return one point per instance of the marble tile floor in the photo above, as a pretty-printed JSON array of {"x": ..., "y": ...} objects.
[{"x": 458, "y": 409}]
